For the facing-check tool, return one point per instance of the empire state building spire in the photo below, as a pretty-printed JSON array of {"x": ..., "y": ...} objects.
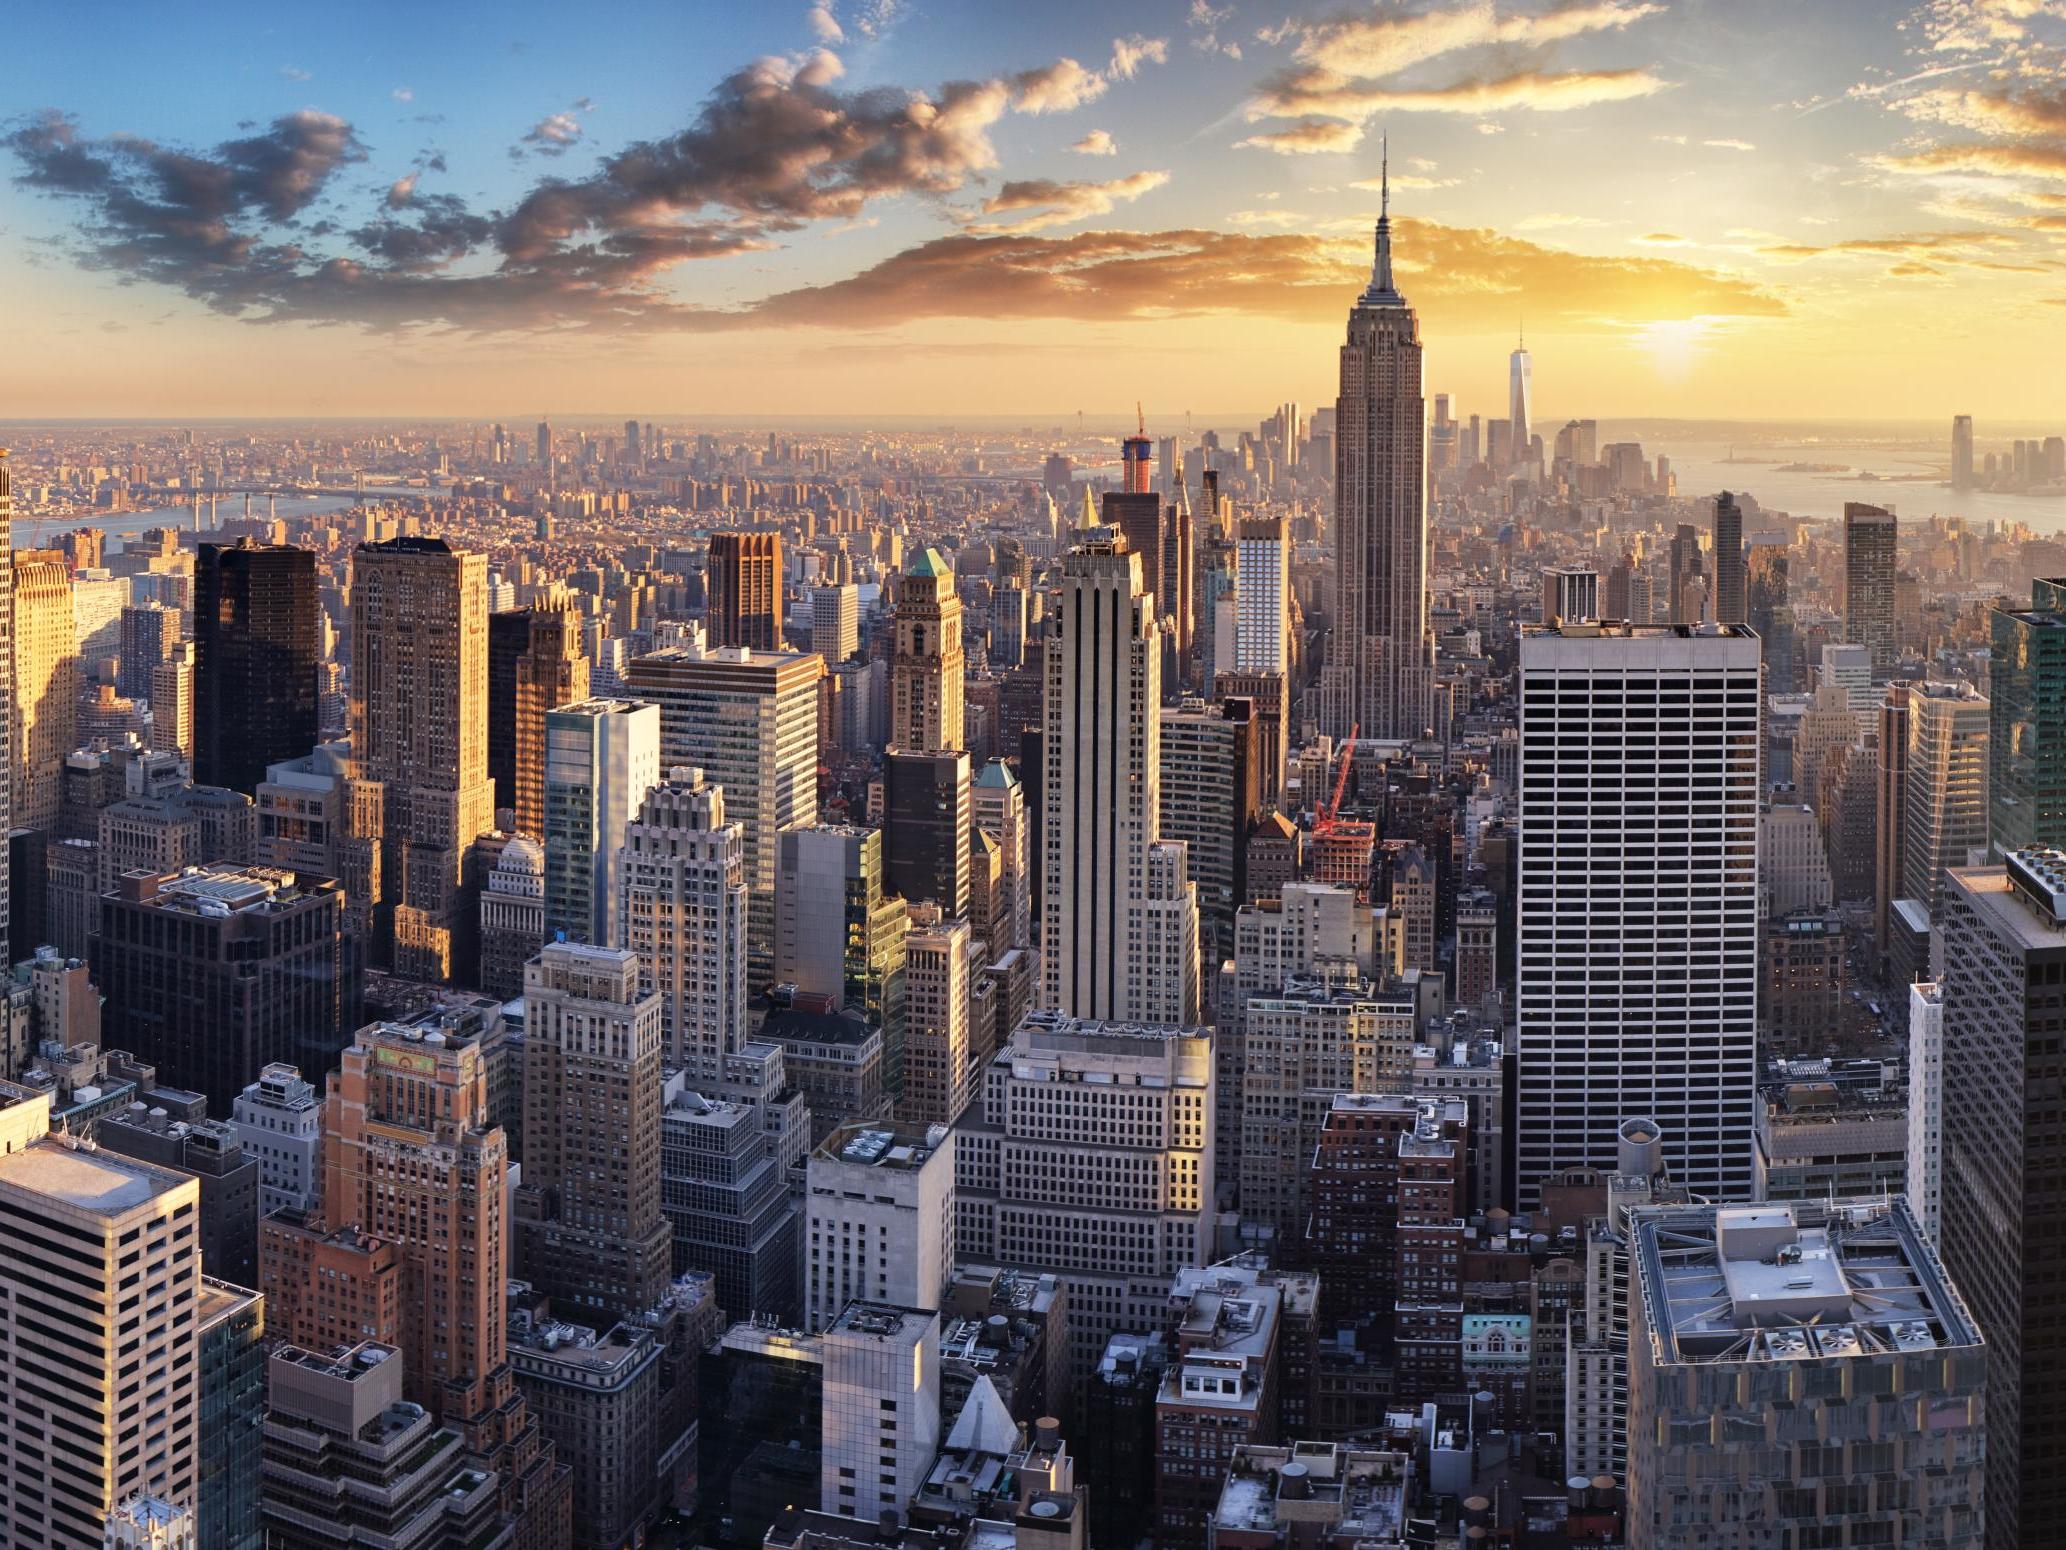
[{"x": 1381, "y": 292}]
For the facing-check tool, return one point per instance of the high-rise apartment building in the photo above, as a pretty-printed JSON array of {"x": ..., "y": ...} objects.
[
  {"x": 926, "y": 665},
  {"x": 879, "y": 1218},
  {"x": 998, "y": 809},
  {"x": 541, "y": 665},
  {"x": 880, "y": 1428},
  {"x": 1869, "y": 545},
  {"x": 256, "y": 649},
  {"x": 601, "y": 758},
  {"x": 1381, "y": 668},
  {"x": 1262, "y": 595},
  {"x": 279, "y": 1121},
  {"x": 749, "y": 721},
  {"x": 1212, "y": 798},
  {"x": 148, "y": 633},
  {"x": 1944, "y": 807},
  {"x": 1101, "y": 788},
  {"x": 348, "y": 1460},
  {"x": 100, "y": 1293},
  {"x": 2002, "y": 1207},
  {"x": 10, "y": 715},
  {"x": 1638, "y": 914},
  {"x": 413, "y": 1161},
  {"x": 1730, "y": 576},
  {"x": 589, "y": 1226},
  {"x": 1925, "y": 1160},
  {"x": 940, "y": 1070},
  {"x": 836, "y": 621},
  {"x": 1090, "y": 1156},
  {"x": 220, "y": 971},
  {"x": 745, "y": 580},
  {"x": 2026, "y": 692},
  {"x": 44, "y": 706},
  {"x": 682, "y": 908},
  {"x": 841, "y": 933},
  {"x": 1743, "y": 1314},
  {"x": 171, "y": 693},
  {"x": 420, "y": 792},
  {"x": 1890, "y": 809}
]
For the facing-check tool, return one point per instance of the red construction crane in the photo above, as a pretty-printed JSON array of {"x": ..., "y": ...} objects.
[{"x": 1324, "y": 819}]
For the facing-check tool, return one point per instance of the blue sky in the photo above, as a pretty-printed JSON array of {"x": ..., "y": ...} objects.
[{"x": 1700, "y": 205}]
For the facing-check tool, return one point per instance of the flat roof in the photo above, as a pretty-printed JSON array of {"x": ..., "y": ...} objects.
[{"x": 102, "y": 1182}]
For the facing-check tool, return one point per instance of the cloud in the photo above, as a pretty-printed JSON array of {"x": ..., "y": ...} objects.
[
  {"x": 1664, "y": 239},
  {"x": 1984, "y": 249},
  {"x": 1448, "y": 272},
  {"x": 403, "y": 94},
  {"x": 1203, "y": 22},
  {"x": 2014, "y": 160},
  {"x": 1323, "y": 95},
  {"x": 1729, "y": 145},
  {"x": 1974, "y": 26},
  {"x": 2039, "y": 113},
  {"x": 402, "y": 190},
  {"x": 824, "y": 25},
  {"x": 1376, "y": 46},
  {"x": 1555, "y": 221},
  {"x": 1057, "y": 88},
  {"x": 1312, "y": 137},
  {"x": 295, "y": 73},
  {"x": 1098, "y": 142},
  {"x": 1060, "y": 204},
  {"x": 554, "y": 134},
  {"x": 1130, "y": 53},
  {"x": 1491, "y": 129}
]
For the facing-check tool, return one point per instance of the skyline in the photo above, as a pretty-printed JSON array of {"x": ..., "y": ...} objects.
[{"x": 835, "y": 202}]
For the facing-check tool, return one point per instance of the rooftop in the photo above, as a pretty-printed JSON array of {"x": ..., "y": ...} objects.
[
  {"x": 883, "y": 1146},
  {"x": 1792, "y": 1282},
  {"x": 105, "y": 1183},
  {"x": 1359, "y": 1494},
  {"x": 884, "y": 1321}
]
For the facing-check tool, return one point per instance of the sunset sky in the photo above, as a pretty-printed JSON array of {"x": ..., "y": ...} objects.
[{"x": 1698, "y": 208}]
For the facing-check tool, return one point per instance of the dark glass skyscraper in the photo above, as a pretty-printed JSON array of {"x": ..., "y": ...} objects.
[
  {"x": 2027, "y": 739},
  {"x": 255, "y": 661}
]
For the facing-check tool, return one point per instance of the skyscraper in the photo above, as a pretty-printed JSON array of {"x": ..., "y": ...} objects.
[
  {"x": 1638, "y": 915},
  {"x": 1768, "y": 609},
  {"x": 1520, "y": 393},
  {"x": 749, "y": 721},
  {"x": 1869, "y": 546},
  {"x": 939, "y": 1073},
  {"x": 1944, "y": 808},
  {"x": 1262, "y": 595},
  {"x": 413, "y": 1159},
  {"x": 745, "y": 580},
  {"x": 2026, "y": 689},
  {"x": 420, "y": 791},
  {"x": 255, "y": 656},
  {"x": 100, "y": 1289},
  {"x": 926, "y": 668},
  {"x": 1101, "y": 790},
  {"x": 590, "y": 1229},
  {"x": 1961, "y": 452},
  {"x": 44, "y": 707},
  {"x": 548, "y": 669},
  {"x": 213, "y": 974},
  {"x": 2003, "y": 1153},
  {"x": 10, "y": 721},
  {"x": 601, "y": 758},
  {"x": 1729, "y": 569},
  {"x": 682, "y": 908},
  {"x": 1381, "y": 668}
]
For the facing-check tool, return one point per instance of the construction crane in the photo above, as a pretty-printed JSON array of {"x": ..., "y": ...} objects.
[{"x": 1324, "y": 820}]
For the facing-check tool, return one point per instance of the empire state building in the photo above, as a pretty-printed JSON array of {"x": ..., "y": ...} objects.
[{"x": 1382, "y": 670}]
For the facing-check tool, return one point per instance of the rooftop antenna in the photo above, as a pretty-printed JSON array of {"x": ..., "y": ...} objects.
[{"x": 1140, "y": 420}]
